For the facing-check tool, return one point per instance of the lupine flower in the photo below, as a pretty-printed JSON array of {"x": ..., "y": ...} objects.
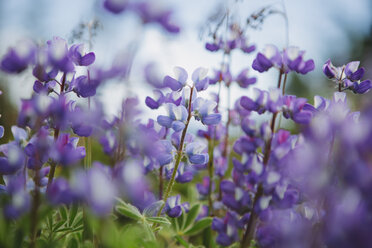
[
  {"x": 199, "y": 77},
  {"x": 84, "y": 86},
  {"x": 116, "y": 6},
  {"x": 348, "y": 76},
  {"x": 1, "y": 131},
  {"x": 204, "y": 110},
  {"x": 13, "y": 161},
  {"x": 184, "y": 173},
  {"x": 293, "y": 60},
  {"x": 197, "y": 153},
  {"x": 60, "y": 192},
  {"x": 66, "y": 152},
  {"x": 152, "y": 77},
  {"x": 17, "y": 59},
  {"x": 58, "y": 54},
  {"x": 294, "y": 108},
  {"x": 96, "y": 188},
  {"x": 235, "y": 198},
  {"x": 154, "y": 103},
  {"x": 150, "y": 13},
  {"x": 269, "y": 57},
  {"x": 203, "y": 188},
  {"x": 263, "y": 101},
  {"x": 243, "y": 80},
  {"x": 76, "y": 54},
  {"x": 175, "y": 119},
  {"x": 166, "y": 152},
  {"x": 173, "y": 206},
  {"x": 19, "y": 197},
  {"x": 221, "y": 75},
  {"x": 226, "y": 228}
]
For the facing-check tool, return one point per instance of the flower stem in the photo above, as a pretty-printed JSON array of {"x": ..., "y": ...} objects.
[
  {"x": 161, "y": 182},
  {"x": 251, "y": 226},
  {"x": 56, "y": 134},
  {"x": 178, "y": 157},
  {"x": 34, "y": 210},
  {"x": 210, "y": 170}
]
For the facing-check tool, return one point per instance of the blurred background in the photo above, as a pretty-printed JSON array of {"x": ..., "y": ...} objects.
[{"x": 336, "y": 29}]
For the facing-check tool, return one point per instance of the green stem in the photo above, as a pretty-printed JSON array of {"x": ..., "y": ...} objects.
[
  {"x": 178, "y": 156},
  {"x": 251, "y": 226},
  {"x": 56, "y": 134},
  {"x": 210, "y": 170}
]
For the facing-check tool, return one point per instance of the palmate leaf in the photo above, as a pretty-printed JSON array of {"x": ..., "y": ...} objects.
[
  {"x": 199, "y": 226},
  {"x": 191, "y": 216},
  {"x": 128, "y": 210},
  {"x": 158, "y": 220}
]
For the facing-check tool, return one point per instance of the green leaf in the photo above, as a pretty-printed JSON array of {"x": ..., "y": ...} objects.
[
  {"x": 191, "y": 216},
  {"x": 58, "y": 225},
  {"x": 153, "y": 208},
  {"x": 159, "y": 220},
  {"x": 72, "y": 214},
  {"x": 175, "y": 226},
  {"x": 182, "y": 241},
  {"x": 63, "y": 213},
  {"x": 181, "y": 220},
  {"x": 149, "y": 232},
  {"x": 199, "y": 226},
  {"x": 128, "y": 210}
]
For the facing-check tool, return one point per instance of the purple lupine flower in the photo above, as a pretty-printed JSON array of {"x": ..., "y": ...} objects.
[
  {"x": 154, "y": 103},
  {"x": 293, "y": 60},
  {"x": 245, "y": 45},
  {"x": 204, "y": 110},
  {"x": 294, "y": 108},
  {"x": 221, "y": 75},
  {"x": 226, "y": 228},
  {"x": 214, "y": 46},
  {"x": 116, "y": 6},
  {"x": 269, "y": 57},
  {"x": 1, "y": 131},
  {"x": 38, "y": 148},
  {"x": 85, "y": 86},
  {"x": 96, "y": 188},
  {"x": 173, "y": 207},
  {"x": 109, "y": 142},
  {"x": 235, "y": 197},
  {"x": 166, "y": 152},
  {"x": 200, "y": 79},
  {"x": 76, "y": 54},
  {"x": 203, "y": 188},
  {"x": 58, "y": 54},
  {"x": 66, "y": 152},
  {"x": 19, "y": 197},
  {"x": 150, "y": 13},
  {"x": 262, "y": 101},
  {"x": 348, "y": 77},
  {"x": 17, "y": 59},
  {"x": 243, "y": 80},
  {"x": 197, "y": 153},
  {"x": 176, "y": 118},
  {"x": 176, "y": 138},
  {"x": 184, "y": 173},
  {"x": 44, "y": 71},
  {"x": 14, "y": 159},
  {"x": 60, "y": 192},
  {"x": 152, "y": 77}
]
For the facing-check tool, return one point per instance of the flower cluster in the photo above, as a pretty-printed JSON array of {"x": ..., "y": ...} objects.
[{"x": 71, "y": 173}]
